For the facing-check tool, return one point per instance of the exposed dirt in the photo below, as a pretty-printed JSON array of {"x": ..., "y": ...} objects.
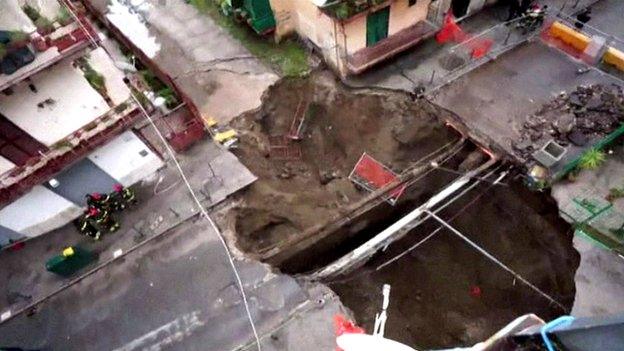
[
  {"x": 436, "y": 308},
  {"x": 341, "y": 124},
  {"x": 431, "y": 300}
]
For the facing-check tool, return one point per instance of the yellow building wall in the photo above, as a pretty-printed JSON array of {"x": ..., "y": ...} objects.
[
  {"x": 337, "y": 40},
  {"x": 305, "y": 18},
  {"x": 402, "y": 16}
]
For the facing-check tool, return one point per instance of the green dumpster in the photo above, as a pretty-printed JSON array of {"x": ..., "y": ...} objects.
[{"x": 70, "y": 261}]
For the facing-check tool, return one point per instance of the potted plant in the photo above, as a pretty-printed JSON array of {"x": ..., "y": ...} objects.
[
  {"x": 592, "y": 159},
  {"x": 44, "y": 26},
  {"x": 3, "y": 51},
  {"x": 31, "y": 12},
  {"x": 64, "y": 17},
  {"x": 18, "y": 39}
]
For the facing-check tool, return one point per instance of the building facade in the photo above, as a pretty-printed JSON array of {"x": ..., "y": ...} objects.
[
  {"x": 66, "y": 112},
  {"x": 353, "y": 35}
]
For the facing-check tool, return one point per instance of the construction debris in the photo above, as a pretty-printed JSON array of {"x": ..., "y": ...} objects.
[{"x": 588, "y": 113}]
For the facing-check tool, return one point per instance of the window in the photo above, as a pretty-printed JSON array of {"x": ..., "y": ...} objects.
[{"x": 411, "y": 2}]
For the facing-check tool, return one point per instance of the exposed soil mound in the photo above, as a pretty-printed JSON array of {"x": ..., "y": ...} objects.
[{"x": 339, "y": 126}]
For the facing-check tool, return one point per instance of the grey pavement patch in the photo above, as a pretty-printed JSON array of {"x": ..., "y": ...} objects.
[
  {"x": 423, "y": 65},
  {"x": 496, "y": 98},
  {"x": 175, "y": 302},
  {"x": 599, "y": 281},
  {"x": 152, "y": 216},
  {"x": 81, "y": 178},
  {"x": 188, "y": 41}
]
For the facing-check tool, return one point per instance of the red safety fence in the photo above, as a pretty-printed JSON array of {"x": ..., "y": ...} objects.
[
  {"x": 452, "y": 32},
  {"x": 372, "y": 175}
]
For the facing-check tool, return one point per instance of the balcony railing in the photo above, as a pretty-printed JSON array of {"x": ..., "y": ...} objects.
[
  {"x": 74, "y": 146},
  {"x": 63, "y": 42},
  {"x": 390, "y": 46}
]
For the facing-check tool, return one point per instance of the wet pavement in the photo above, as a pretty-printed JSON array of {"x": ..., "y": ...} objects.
[
  {"x": 179, "y": 293},
  {"x": 426, "y": 64},
  {"x": 165, "y": 203},
  {"x": 495, "y": 99},
  {"x": 599, "y": 281},
  {"x": 213, "y": 70}
]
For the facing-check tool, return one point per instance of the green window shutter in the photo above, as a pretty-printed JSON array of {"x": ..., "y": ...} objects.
[
  {"x": 261, "y": 14},
  {"x": 377, "y": 26}
]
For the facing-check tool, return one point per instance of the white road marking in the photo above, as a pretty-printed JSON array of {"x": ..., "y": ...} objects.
[{"x": 172, "y": 332}]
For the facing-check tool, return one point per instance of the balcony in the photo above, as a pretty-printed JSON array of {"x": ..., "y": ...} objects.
[
  {"x": 365, "y": 58},
  {"x": 38, "y": 169},
  {"x": 51, "y": 48}
]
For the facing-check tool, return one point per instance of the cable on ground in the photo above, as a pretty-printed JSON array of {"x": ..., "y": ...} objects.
[
  {"x": 204, "y": 213},
  {"x": 496, "y": 261}
]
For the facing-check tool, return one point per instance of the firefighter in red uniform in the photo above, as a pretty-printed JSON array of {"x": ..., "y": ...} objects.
[
  {"x": 105, "y": 221},
  {"x": 124, "y": 195},
  {"x": 87, "y": 224}
]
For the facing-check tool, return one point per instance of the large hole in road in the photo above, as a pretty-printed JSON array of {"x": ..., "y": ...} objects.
[{"x": 433, "y": 300}]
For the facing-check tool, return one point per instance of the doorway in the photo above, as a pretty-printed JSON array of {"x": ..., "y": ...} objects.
[
  {"x": 460, "y": 7},
  {"x": 377, "y": 26}
]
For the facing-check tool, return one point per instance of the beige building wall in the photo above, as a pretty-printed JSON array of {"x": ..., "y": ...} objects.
[
  {"x": 305, "y": 18},
  {"x": 336, "y": 39},
  {"x": 402, "y": 16}
]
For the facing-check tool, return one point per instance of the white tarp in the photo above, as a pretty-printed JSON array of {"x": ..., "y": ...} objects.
[
  {"x": 73, "y": 103},
  {"x": 126, "y": 16},
  {"x": 38, "y": 212},
  {"x": 49, "y": 9},
  {"x": 127, "y": 159},
  {"x": 13, "y": 18}
]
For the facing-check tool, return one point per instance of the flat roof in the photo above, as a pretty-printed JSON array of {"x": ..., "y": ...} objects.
[
  {"x": 117, "y": 90},
  {"x": 37, "y": 211},
  {"x": 16, "y": 19},
  {"x": 71, "y": 103},
  {"x": 13, "y": 18}
]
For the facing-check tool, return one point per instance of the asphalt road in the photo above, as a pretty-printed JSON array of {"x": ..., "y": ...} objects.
[{"x": 178, "y": 293}]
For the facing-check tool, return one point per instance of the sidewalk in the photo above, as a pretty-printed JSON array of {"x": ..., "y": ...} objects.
[
  {"x": 212, "y": 71},
  {"x": 164, "y": 203},
  {"x": 431, "y": 64}
]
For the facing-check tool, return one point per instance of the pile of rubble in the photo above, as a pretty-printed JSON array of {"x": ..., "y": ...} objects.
[{"x": 577, "y": 118}]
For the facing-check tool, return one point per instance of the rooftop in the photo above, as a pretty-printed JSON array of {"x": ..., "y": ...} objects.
[
  {"x": 47, "y": 34},
  {"x": 345, "y": 9},
  {"x": 62, "y": 103}
]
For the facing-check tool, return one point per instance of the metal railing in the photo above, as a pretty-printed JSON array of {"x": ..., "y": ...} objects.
[
  {"x": 477, "y": 50},
  {"x": 613, "y": 40},
  {"x": 67, "y": 144}
]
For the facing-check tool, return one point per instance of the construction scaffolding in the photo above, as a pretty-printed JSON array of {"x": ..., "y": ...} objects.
[{"x": 282, "y": 148}]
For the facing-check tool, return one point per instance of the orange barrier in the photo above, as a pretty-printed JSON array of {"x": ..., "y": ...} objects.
[
  {"x": 614, "y": 57},
  {"x": 575, "y": 39}
]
